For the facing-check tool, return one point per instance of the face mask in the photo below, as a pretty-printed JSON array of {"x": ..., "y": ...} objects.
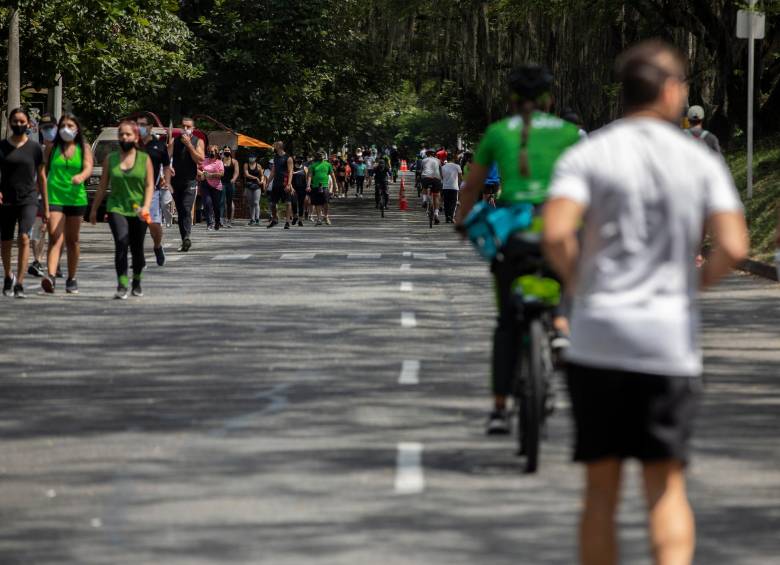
[
  {"x": 188, "y": 131},
  {"x": 49, "y": 134},
  {"x": 143, "y": 130},
  {"x": 126, "y": 145},
  {"x": 213, "y": 154},
  {"x": 19, "y": 130},
  {"x": 68, "y": 134}
]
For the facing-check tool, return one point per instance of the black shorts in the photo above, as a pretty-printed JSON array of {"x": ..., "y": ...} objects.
[
  {"x": 11, "y": 214},
  {"x": 631, "y": 415},
  {"x": 279, "y": 194},
  {"x": 431, "y": 183},
  {"x": 318, "y": 196},
  {"x": 68, "y": 211}
]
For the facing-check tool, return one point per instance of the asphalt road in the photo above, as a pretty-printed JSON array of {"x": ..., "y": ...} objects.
[{"x": 318, "y": 396}]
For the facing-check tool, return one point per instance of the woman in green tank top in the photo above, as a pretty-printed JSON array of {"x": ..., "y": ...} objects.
[
  {"x": 69, "y": 164},
  {"x": 129, "y": 173}
]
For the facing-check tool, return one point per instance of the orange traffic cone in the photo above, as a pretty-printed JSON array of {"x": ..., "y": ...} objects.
[
  {"x": 402, "y": 203},
  {"x": 404, "y": 168}
]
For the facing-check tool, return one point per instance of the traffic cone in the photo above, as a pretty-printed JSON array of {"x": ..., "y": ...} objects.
[
  {"x": 402, "y": 203},
  {"x": 404, "y": 168}
]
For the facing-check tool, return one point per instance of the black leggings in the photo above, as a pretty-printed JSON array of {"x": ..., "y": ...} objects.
[
  {"x": 299, "y": 203},
  {"x": 359, "y": 181},
  {"x": 450, "y": 201},
  {"x": 129, "y": 232}
]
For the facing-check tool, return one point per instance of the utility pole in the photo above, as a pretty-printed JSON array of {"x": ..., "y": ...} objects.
[
  {"x": 14, "y": 79},
  {"x": 751, "y": 25}
]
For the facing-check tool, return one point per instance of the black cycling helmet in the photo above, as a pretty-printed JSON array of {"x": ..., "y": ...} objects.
[{"x": 529, "y": 82}]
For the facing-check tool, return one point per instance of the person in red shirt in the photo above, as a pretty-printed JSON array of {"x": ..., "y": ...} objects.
[{"x": 441, "y": 155}]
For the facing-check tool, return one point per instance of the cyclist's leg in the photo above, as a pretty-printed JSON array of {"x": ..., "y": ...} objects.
[{"x": 505, "y": 337}]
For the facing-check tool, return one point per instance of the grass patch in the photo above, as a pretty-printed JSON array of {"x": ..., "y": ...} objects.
[{"x": 761, "y": 210}]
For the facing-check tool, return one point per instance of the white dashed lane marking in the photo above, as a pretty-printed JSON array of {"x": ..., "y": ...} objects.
[
  {"x": 406, "y": 267},
  {"x": 297, "y": 256},
  {"x": 407, "y": 287},
  {"x": 364, "y": 256},
  {"x": 230, "y": 257},
  {"x": 409, "y": 478},
  {"x": 430, "y": 256},
  {"x": 408, "y": 320},
  {"x": 410, "y": 373}
]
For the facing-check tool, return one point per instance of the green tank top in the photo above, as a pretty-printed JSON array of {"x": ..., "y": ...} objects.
[
  {"x": 548, "y": 138},
  {"x": 127, "y": 187},
  {"x": 62, "y": 191}
]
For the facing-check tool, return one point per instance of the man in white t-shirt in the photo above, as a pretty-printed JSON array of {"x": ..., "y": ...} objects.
[
  {"x": 643, "y": 193},
  {"x": 451, "y": 175},
  {"x": 431, "y": 181}
]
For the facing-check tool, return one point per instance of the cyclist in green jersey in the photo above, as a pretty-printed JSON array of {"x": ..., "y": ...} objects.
[{"x": 525, "y": 146}]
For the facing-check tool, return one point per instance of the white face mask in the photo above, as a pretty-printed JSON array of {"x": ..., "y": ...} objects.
[
  {"x": 68, "y": 134},
  {"x": 188, "y": 131},
  {"x": 49, "y": 134}
]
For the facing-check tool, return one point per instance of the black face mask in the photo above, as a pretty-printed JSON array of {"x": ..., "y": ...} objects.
[
  {"x": 213, "y": 154},
  {"x": 126, "y": 145},
  {"x": 19, "y": 130}
]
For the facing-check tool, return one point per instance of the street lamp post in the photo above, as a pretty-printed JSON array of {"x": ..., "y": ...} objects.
[{"x": 14, "y": 79}]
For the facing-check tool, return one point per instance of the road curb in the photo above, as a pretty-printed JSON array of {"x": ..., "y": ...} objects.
[{"x": 764, "y": 270}]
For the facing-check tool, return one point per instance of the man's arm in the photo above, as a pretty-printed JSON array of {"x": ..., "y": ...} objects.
[
  {"x": 562, "y": 218},
  {"x": 289, "y": 172},
  {"x": 474, "y": 183},
  {"x": 730, "y": 246},
  {"x": 196, "y": 149}
]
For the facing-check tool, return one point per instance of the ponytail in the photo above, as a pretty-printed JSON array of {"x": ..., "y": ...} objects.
[{"x": 527, "y": 114}]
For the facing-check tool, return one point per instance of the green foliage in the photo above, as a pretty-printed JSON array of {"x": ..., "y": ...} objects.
[{"x": 109, "y": 52}]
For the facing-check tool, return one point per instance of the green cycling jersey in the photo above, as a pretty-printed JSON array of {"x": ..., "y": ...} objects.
[{"x": 548, "y": 138}]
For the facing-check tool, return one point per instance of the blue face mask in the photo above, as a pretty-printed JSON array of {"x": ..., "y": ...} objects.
[
  {"x": 49, "y": 134},
  {"x": 143, "y": 130}
]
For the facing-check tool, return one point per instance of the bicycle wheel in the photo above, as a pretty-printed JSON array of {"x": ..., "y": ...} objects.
[{"x": 531, "y": 415}]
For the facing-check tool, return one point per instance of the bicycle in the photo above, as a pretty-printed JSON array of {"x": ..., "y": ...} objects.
[
  {"x": 537, "y": 293},
  {"x": 382, "y": 200}
]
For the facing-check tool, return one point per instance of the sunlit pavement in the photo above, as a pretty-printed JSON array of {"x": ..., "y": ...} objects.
[{"x": 318, "y": 396}]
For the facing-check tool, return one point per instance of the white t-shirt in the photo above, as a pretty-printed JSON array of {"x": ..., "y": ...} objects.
[
  {"x": 449, "y": 173},
  {"x": 648, "y": 189},
  {"x": 431, "y": 168}
]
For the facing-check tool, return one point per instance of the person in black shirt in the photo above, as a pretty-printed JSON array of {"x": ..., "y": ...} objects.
[
  {"x": 21, "y": 169},
  {"x": 187, "y": 153},
  {"x": 280, "y": 182},
  {"x": 161, "y": 166}
]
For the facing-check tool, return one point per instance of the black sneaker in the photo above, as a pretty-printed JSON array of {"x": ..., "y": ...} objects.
[
  {"x": 72, "y": 286},
  {"x": 121, "y": 292},
  {"x": 19, "y": 291},
  {"x": 186, "y": 244},
  {"x": 36, "y": 269},
  {"x": 159, "y": 254},
  {"x": 300, "y": 223},
  {"x": 137, "y": 291},
  {"x": 48, "y": 283},
  {"x": 8, "y": 285},
  {"x": 251, "y": 223},
  {"x": 59, "y": 272},
  {"x": 271, "y": 224},
  {"x": 295, "y": 221},
  {"x": 436, "y": 220},
  {"x": 498, "y": 423},
  {"x": 287, "y": 225}
]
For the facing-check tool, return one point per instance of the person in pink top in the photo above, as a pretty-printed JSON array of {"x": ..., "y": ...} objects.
[{"x": 210, "y": 174}]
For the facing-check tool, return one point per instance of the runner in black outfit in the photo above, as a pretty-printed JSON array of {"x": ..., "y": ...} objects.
[
  {"x": 21, "y": 168},
  {"x": 299, "y": 186},
  {"x": 281, "y": 185},
  {"x": 186, "y": 152},
  {"x": 161, "y": 167}
]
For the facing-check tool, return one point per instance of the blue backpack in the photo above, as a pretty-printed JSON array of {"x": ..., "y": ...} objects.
[{"x": 489, "y": 228}]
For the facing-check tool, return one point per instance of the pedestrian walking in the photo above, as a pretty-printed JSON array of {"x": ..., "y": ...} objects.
[
  {"x": 697, "y": 131},
  {"x": 319, "y": 175},
  {"x": 452, "y": 176},
  {"x": 253, "y": 188},
  {"x": 641, "y": 191},
  {"x": 69, "y": 165},
  {"x": 22, "y": 170},
  {"x": 210, "y": 175},
  {"x": 129, "y": 173},
  {"x": 47, "y": 128},
  {"x": 280, "y": 183},
  {"x": 360, "y": 176},
  {"x": 186, "y": 154},
  {"x": 227, "y": 207},
  {"x": 161, "y": 167},
  {"x": 299, "y": 188}
]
